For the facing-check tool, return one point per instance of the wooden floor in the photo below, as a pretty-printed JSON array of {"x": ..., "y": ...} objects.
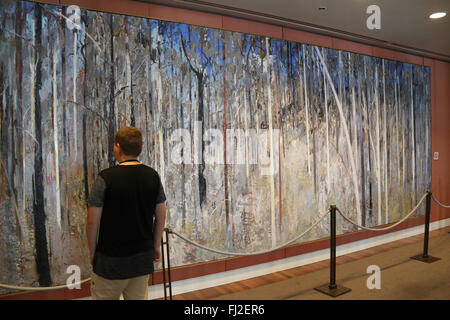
[{"x": 239, "y": 286}]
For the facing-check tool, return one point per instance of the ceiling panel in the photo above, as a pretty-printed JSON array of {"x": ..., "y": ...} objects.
[{"x": 405, "y": 24}]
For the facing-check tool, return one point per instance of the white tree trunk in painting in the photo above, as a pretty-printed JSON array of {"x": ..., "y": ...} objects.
[
  {"x": 413, "y": 150},
  {"x": 386, "y": 190},
  {"x": 355, "y": 139},
  {"x": 22, "y": 218},
  {"x": 128, "y": 85},
  {"x": 272, "y": 169},
  {"x": 160, "y": 126},
  {"x": 24, "y": 115},
  {"x": 55, "y": 142},
  {"x": 397, "y": 136},
  {"x": 403, "y": 149},
  {"x": 366, "y": 116},
  {"x": 246, "y": 128},
  {"x": 161, "y": 157},
  {"x": 355, "y": 143},
  {"x": 354, "y": 127},
  {"x": 326, "y": 127},
  {"x": 347, "y": 136},
  {"x": 75, "y": 40},
  {"x": 327, "y": 132},
  {"x": 306, "y": 110},
  {"x": 377, "y": 132}
]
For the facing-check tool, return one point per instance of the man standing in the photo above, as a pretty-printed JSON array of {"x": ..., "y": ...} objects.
[{"x": 125, "y": 221}]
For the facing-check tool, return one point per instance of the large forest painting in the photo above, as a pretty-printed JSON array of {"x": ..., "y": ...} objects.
[{"x": 253, "y": 137}]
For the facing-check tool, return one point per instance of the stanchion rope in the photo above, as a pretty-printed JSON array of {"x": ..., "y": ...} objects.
[
  {"x": 6, "y": 286},
  {"x": 386, "y": 228},
  {"x": 437, "y": 201},
  {"x": 249, "y": 253}
]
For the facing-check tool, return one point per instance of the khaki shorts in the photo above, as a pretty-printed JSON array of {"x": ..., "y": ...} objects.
[{"x": 131, "y": 289}]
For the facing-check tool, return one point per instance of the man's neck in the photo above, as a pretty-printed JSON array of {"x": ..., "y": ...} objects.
[{"x": 129, "y": 161}]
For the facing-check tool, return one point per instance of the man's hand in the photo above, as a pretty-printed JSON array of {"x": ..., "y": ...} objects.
[
  {"x": 92, "y": 226},
  {"x": 157, "y": 256},
  {"x": 160, "y": 220}
]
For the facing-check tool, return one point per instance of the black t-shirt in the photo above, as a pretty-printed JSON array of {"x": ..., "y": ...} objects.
[{"x": 128, "y": 195}]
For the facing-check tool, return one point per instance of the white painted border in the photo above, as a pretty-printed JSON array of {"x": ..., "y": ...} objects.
[{"x": 217, "y": 279}]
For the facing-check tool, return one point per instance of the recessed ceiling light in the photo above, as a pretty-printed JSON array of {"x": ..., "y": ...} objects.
[{"x": 438, "y": 15}]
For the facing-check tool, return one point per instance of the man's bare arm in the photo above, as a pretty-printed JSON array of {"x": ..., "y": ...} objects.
[
  {"x": 158, "y": 228},
  {"x": 92, "y": 227}
]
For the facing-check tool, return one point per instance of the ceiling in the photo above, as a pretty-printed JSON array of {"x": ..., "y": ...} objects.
[{"x": 405, "y": 24}]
